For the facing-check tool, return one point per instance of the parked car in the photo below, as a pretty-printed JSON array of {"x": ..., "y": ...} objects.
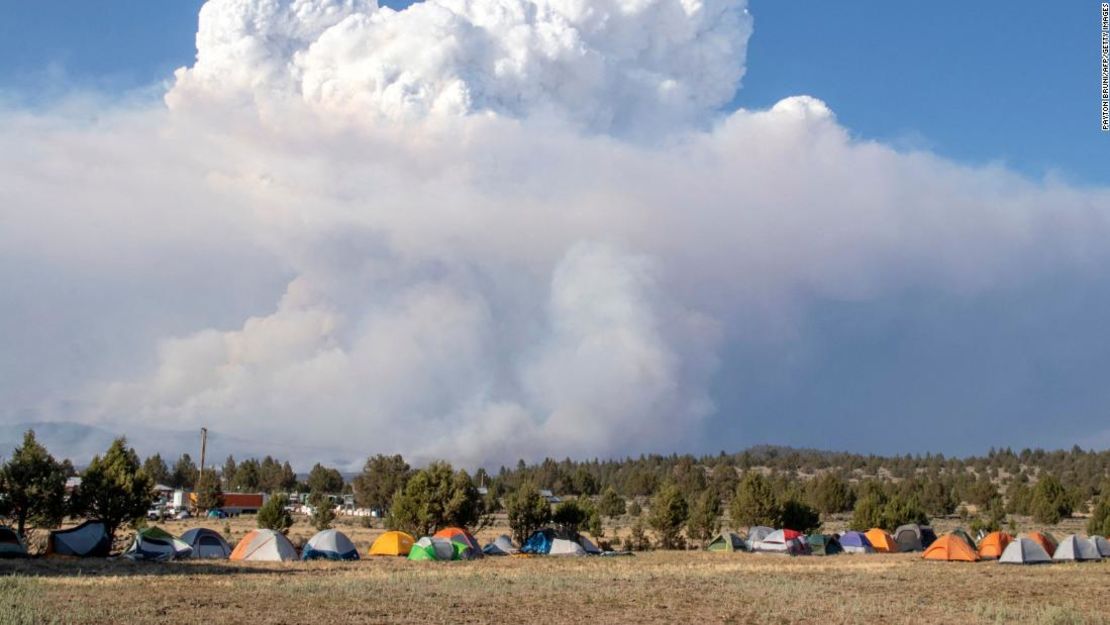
[{"x": 184, "y": 514}]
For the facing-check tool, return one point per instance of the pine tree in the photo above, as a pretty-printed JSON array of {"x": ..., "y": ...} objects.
[
  {"x": 527, "y": 510},
  {"x": 114, "y": 488},
  {"x": 668, "y": 515},
  {"x": 34, "y": 485}
]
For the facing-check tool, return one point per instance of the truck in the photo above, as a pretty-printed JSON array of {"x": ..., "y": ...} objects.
[{"x": 238, "y": 503}]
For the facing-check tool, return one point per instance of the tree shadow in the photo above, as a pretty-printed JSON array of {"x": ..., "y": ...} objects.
[{"x": 53, "y": 566}]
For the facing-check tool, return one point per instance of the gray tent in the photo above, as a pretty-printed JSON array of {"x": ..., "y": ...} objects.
[
  {"x": 330, "y": 544},
  {"x": 914, "y": 537},
  {"x": 1102, "y": 545},
  {"x": 564, "y": 547},
  {"x": 206, "y": 543},
  {"x": 87, "y": 540},
  {"x": 757, "y": 533},
  {"x": 1075, "y": 549},
  {"x": 1024, "y": 551},
  {"x": 501, "y": 546}
]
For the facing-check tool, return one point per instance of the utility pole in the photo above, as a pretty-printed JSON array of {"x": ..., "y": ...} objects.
[{"x": 203, "y": 444}]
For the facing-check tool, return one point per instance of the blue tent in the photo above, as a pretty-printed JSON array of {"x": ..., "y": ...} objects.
[
  {"x": 329, "y": 545},
  {"x": 552, "y": 542},
  {"x": 855, "y": 542}
]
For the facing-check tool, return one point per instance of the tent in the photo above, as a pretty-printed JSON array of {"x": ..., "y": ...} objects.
[
  {"x": 727, "y": 541},
  {"x": 11, "y": 545},
  {"x": 993, "y": 544},
  {"x": 824, "y": 545},
  {"x": 950, "y": 548},
  {"x": 432, "y": 548},
  {"x": 855, "y": 542},
  {"x": 965, "y": 536},
  {"x": 87, "y": 540},
  {"x": 914, "y": 537},
  {"x": 1075, "y": 549},
  {"x": 462, "y": 537},
  {"x": 206, "y": 543},
  {"x": 263, "y": 545},
  {"x": 782, "y": 541},
  {"x": 501, "y": 546},
  {"x": 1043, "y": 539},
  {"x": 1102, "y": 545},
  {"x": 154, "y": 544},
  {"x": 392, "y": 543},
  {"x": 1024, "y": 550},
  {"x": 543, "y": 542},
  {"x": 329, "y": 545},
  {"x": 881, "y": 541},
  {"x": 757, "y": 533}
]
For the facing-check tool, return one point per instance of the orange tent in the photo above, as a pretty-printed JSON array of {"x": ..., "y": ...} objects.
[
  {"x": 463, "y": 537},
  {"x": 881, "y": 540},
  {"x": 1044, "y": 541},
  {"x": 392, "y": 544},
  {"x": 993, "y": 544},
  {"x": 950, "y": 548}
]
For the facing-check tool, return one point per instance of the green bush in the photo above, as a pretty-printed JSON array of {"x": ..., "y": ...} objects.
[
  {"x": 668, "y": 515},
  {"x": 1099, "y": 523},
  {"x": 755, "y": 502},
  {"x": 273, "y": 515},
  {"x": 528, "y": 511}
]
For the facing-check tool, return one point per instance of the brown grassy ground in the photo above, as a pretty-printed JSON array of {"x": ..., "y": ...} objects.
[{"x": 658, "y": 587}]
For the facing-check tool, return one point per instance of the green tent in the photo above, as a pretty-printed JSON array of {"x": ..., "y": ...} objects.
[
  {"x": 429, "y": 548},
  {"x": 965, "y": 536},
  {"x": 726, "y": 541},
  {"x": 824, "y": 545}
]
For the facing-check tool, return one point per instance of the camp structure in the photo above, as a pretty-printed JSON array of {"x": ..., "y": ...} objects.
[
  {"x": 727, "y": 541},
  {"x": 554, "y": 542},
  {"x": 881, "y": 540},
  {"x": 87, "y": 540},
  {"x": 914, "y": 537},
  {"x": 1101, "y": 545},
  {"x": 1043, "y": 539},
  {"x": 460, "y": 536},
  {"x": 965, "y": 536},
  {"x": 824, "y": 545},
  {"x": 11, "y": 545},
  {"x": 501, "y": 546},
  {"x": 785, "y": 541},
  {"x": 392, "y": 543},
  {"x": 264, "y": 545},
  {"x": 757, "y": 533},
  {"x": 855, "y": 542},
  {"x": 1024, "y": 550},
  {"x": 330, "y": 544},
  {"x": 206, "y": 543},
  {"x": 430, "y": 548},
  {"x": 993, "y": 544},
  {"x": 154, "y": 544},
  {"x": 1074, "y": 548},
  {"x": 950, "y": 548}
]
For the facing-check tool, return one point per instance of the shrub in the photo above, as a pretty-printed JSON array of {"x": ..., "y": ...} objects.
[
  {"x": 436, "y": 497},
  {"x": 273, "y": 515},
  {"x": 114, "y": 489},
  {"x": 611, "y": 504},
  {"x": 668, "y": 515},
  {"x": 831, "y": 494},
  {"x": 570, "y": 515},
  {"x": 1099, "y": 523},
  {"x": 705, "y": 516},
  {"x": 323, "y": 513},
  {"x": 1050, "y": 502},
  {"x": 798, "y": 516},
  {"x": 754, "y": 503},
  {"x": 528, "y": 511}
]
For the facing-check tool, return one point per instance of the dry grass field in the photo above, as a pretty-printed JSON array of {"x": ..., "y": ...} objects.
[
  {"x": 658, "y": 587},
  {"x": 654, "y": 587}
]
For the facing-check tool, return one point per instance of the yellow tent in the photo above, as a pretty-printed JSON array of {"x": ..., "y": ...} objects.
[
  {"x": 882, "y": 541},
  {"x": 392, "y": 544}
]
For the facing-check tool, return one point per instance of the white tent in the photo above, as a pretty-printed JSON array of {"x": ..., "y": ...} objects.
[
  {"x": 563, "y": 547},
  {"x": 330, "y": 544},
  {"x": 444, "y": 549},
  {"x": 89, "y": 539},
  {"x": 1075, "y": 549},
  {"x": 1024, "y": 551},
  {"x": 206, "y": 543},
  {"x": 587, "y": 545},
  {"x": 758, "y": 532},
  {"x": 154, "y": 544},
  {"x": 263, "y": 545},
  {"x": 501, "y": 546}
]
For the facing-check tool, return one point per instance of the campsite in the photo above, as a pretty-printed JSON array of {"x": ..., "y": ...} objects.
[{"x": 691, "y": 586}]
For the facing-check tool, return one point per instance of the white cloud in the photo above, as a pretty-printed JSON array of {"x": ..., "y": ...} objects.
[{"x": 475, "y": 230}]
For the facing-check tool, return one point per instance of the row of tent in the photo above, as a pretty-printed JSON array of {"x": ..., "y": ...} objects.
[
  {"x": 90, "y": 539},
  {"x": 1031, "y": 548},
  {"x": 761, "y": 539}
]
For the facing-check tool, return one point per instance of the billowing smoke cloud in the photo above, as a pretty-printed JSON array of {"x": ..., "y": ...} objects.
[{"x": 475, "y": 230}]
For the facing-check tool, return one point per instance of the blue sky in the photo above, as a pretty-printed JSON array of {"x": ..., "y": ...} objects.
[
  {"x": 915, "y": 360},
  {"x": 985, "y": 82}
]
